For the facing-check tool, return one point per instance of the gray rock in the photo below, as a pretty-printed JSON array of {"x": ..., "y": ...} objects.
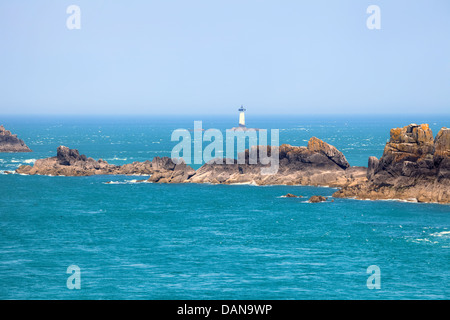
[{"x": 10, "y": 143}]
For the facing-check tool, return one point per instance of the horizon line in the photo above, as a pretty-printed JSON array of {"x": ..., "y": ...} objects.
[{"x": 221, "y": 114}]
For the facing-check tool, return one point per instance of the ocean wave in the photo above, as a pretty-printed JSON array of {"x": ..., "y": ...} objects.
[
  {"x": 411, "y": 200},
  {"x": 28, "y": 161},
  {"x": 116, "y": 159},
  {"x": 93, "y": 211},
  {"x": 250, "y": 183},
  {"x": 445, "y": 234},
  {"x": 414, "y": 200},
  {"x": 127, "y": 182},
  {"x": 424, "y": 240},
  {"x": 295, "y": 129}
]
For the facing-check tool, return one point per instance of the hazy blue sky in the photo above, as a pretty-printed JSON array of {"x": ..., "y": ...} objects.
[{"x": 211, "y": 56}]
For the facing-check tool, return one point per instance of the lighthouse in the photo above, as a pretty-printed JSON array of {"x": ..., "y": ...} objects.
[
  {"x": 242, "y": 126},
  {"x": 241, "y": 117}
]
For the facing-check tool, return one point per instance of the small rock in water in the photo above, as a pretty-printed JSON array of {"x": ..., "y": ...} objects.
[
  {"x": 290, "y": 195},
  {"x": 316, "y": 199}
]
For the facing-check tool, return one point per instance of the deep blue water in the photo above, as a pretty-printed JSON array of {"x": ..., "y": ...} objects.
[{"x": 151, "y": 241}]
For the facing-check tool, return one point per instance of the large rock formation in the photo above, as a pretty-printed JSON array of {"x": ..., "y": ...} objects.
[
  {"x": 10, "y": 143},
  {"x": 318, "y": 164},
  {"x": 414, "y": 166}
]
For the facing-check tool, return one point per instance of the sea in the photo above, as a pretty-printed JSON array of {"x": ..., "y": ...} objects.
[{"x": 131, "y": 240}]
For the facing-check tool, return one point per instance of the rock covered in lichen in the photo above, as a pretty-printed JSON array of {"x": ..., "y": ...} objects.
[{"x": 414, "y": 166}]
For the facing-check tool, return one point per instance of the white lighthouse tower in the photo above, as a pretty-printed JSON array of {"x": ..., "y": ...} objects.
[{"x": 242, "y": 117}]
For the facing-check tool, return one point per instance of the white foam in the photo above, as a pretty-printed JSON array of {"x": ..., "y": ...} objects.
[
  {"x": 441, "y": 234},
  {"x": 424, "y": 240},
  {"x": 126, "y": 182},
  {"x": 242, "y": 183},
  {"x": 23, "y": 161},
  {"x": 410, "y": 200}
]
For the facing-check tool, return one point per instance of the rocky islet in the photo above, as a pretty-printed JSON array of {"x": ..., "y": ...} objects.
[{"x": 10, "y": 142}]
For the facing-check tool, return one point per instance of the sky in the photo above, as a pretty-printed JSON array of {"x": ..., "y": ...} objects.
[{"x": 211, "y": 56}]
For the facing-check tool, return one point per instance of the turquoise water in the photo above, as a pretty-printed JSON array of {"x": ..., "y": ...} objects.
[{"x": 151, "y": 241}]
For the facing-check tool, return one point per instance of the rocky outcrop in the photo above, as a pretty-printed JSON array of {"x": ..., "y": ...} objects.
[
  {"x": 414, "y": 167},
  {"x": 68, "y": 162},
  {"x": 10, "y": 142},
  {"x": 333, "y": 154},
  {"x": 441, "y": 155},
  {"x": 317, "y": 199},
  {"x": 318, "y": 164},
  {"x": 290, "y": 195},
  {"x": 166, "y": 171}
]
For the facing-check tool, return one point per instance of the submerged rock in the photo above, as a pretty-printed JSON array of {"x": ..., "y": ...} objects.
[{"x": 10, "y": 142}]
